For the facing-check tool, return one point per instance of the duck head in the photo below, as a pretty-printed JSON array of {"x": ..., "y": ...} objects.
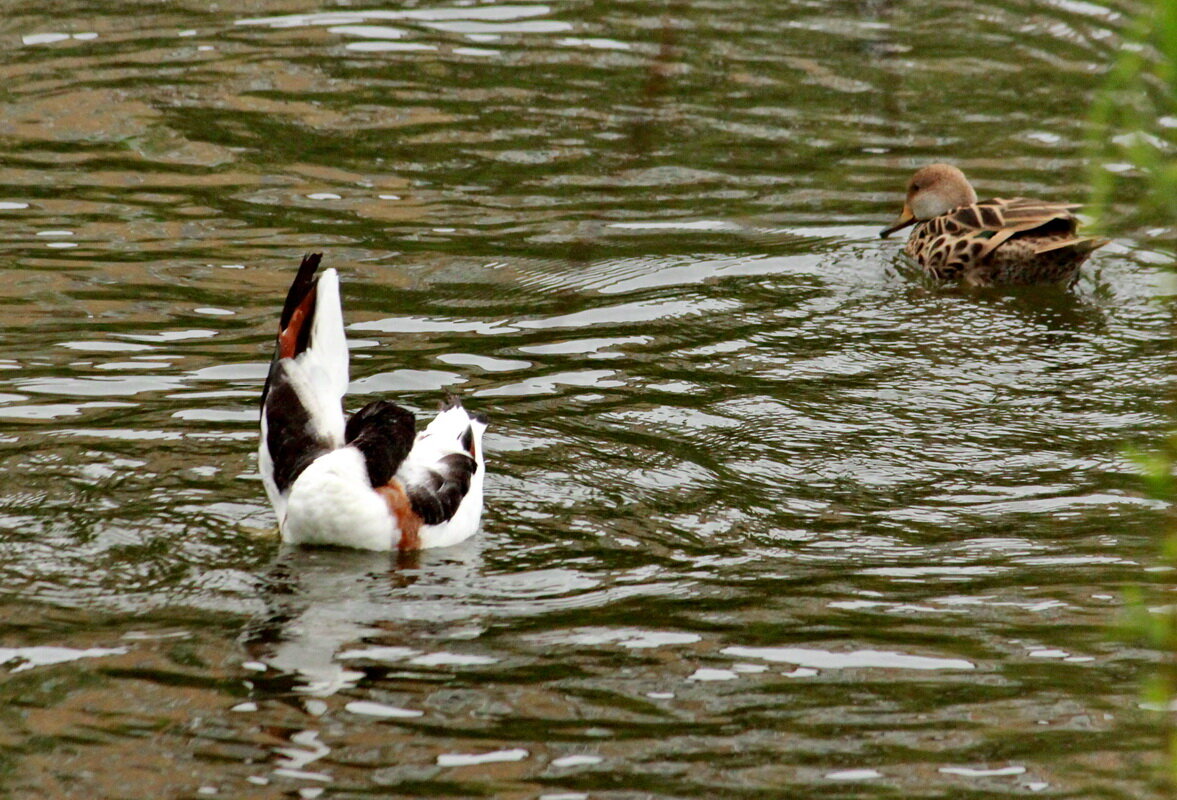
[{"x": 933, "y": 190}]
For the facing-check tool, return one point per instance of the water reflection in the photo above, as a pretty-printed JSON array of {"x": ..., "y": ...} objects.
[{"x": 323, "y": 604}]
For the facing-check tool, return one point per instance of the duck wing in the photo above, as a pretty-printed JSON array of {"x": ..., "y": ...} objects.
[
  {"x": 302, "y": 401},
  {"x": 988, "y": 224},
  {"x": 441, "y": 469}
]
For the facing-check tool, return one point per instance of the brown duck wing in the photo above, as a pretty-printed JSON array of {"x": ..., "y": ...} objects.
[
  {"x": 993, "y": 222},
  {"x": 1053, "y": 223},
  {"x": 1022, "y": 215}
]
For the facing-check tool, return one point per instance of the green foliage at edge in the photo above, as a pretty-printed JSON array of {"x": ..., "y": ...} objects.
[
  {"x": 1133, "y": 142},
  {"x": 1134, "y": 121}
]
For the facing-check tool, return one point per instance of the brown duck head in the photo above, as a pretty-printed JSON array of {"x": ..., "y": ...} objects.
[{"x": 933, "y": 190}]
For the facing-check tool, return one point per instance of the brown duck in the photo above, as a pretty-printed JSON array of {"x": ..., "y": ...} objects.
[{"x": 1001, "y": 241}]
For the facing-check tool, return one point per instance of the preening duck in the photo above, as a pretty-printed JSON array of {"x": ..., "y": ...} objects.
[
  {"x": 1000, "y": 241},
  {"x": 370, "y": 481}
]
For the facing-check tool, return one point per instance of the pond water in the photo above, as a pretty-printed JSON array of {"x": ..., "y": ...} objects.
[{"x": 767, "y": 515}]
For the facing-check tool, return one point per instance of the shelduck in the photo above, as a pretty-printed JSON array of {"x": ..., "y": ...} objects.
[{"x": 369, "y": 481}]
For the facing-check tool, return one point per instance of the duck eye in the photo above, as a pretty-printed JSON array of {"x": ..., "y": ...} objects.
[{"x": 915, "y": 187}]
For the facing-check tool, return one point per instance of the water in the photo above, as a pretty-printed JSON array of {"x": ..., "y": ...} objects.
[{"x": 767, "y": 515}]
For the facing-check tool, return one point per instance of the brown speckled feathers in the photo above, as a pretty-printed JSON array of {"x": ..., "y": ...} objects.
[{"x": 1000, "y": 241}]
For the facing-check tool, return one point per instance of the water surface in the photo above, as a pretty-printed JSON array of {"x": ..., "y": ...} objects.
[{"x": 767, "y": 514}]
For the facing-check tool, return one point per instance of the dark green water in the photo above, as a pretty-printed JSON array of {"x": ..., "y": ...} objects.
[{"x": 767, "y": 516}]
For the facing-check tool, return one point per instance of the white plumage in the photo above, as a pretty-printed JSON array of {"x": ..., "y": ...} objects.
[{"x": 369, "y": 482}]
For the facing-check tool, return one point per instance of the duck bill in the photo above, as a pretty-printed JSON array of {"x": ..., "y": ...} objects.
[{"x": 905, "y": 218}]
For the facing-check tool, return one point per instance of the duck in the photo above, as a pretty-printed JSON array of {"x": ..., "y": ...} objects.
[
  {"x": 1012, "y": 241},
  {"x": 371, "y": 480}
]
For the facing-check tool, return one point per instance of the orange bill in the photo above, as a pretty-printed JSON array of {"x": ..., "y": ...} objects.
[{"x": 905, "y": 218}]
